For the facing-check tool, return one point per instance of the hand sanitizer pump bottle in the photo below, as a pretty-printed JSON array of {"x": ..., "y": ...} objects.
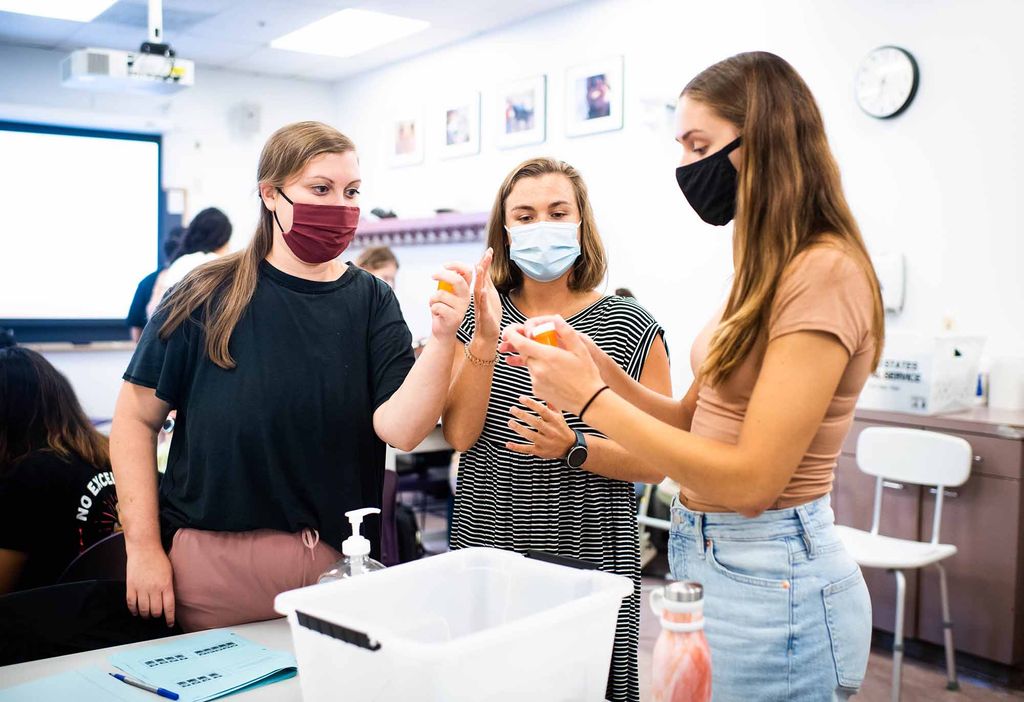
[{"x": 356, "y": 550}]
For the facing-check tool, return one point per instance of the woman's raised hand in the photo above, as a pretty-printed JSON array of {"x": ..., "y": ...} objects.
[
  {"x": 448, "y": 306},
  {"x": 486, "y": 302}
]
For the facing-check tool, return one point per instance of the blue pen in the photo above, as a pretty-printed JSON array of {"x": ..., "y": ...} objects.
[{"x": 143, "y": 686}]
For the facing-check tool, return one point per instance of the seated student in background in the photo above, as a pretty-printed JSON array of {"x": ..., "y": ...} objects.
[
  {"x": 533, "y": 477},
  {"x": 137, "y": 316},
  {"x": 205, "y": 239},
  {"x": 56, "y": 490},
  {"x": 381, "y": 262},
  {"x": 289, "y": 371}
]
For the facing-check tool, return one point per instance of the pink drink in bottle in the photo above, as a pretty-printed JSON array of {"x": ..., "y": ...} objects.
[{"x": 682, "y": 659}]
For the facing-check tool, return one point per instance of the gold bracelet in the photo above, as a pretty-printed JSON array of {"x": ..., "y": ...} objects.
[{"x": 479, "y": 362}]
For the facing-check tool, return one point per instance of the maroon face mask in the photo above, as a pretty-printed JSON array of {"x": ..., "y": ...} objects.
[{"x": 319, "y": 233}]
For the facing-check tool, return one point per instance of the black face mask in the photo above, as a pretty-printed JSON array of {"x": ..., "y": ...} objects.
[{"x": 710, "y": 185}]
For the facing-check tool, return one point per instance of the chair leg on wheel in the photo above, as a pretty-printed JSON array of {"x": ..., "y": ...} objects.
[
  {"x": 947, "y": 632},
  {"x": 897, "y": 639}
]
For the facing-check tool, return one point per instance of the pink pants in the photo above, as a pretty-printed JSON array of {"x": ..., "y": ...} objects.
[{"x": 224, "y": 578}]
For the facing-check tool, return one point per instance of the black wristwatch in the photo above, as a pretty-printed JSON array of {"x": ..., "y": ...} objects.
[{"x": 578, "y": 454}]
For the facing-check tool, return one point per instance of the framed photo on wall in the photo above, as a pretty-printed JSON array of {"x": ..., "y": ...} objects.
[
  {"x": 593, "y": 97},
  {"x": 522, "y": 112},
  {"x": 461, "y": 119},
  {"x": 405, "y": 140}
]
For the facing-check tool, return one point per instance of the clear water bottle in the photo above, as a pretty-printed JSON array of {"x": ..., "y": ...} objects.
[
  {"x": 356, "y": 551},
  {"x": 681, "y": 663}
]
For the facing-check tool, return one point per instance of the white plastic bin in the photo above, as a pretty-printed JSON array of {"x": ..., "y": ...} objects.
[{"x": 474, "y": 624}]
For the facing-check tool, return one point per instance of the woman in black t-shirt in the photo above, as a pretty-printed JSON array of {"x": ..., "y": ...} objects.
[
  {"x": 56, "y": 489},
  {"x": 289, "y": 371}
]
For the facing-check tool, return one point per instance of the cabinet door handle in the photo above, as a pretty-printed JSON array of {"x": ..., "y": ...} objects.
[
  {"x": 945, "y": 493},
  {"x": 978, "y": 460},
  {"x": 892, "y": 485}
]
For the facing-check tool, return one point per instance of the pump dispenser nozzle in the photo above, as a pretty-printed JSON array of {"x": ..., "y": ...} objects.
[
  {"x": 357, "y": 544},
  {"x": 356, "y": 548}
]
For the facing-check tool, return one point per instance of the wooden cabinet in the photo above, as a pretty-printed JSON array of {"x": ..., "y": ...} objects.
[{"x": 983, "y": 518}]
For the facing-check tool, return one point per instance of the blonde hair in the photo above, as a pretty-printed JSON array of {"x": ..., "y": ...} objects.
[
  {"x": 592, "y": 265},
  {"x": 789, "y": 195},
  {"x": 376, "y": 257},
  {"x": 224, "y": 287}
]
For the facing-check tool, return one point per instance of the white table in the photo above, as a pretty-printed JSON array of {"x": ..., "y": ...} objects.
[{"x": 272, "y": 634}]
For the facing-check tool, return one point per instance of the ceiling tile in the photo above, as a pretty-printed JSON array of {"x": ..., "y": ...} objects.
[
  {"x": 136, "y": 16},
  {"x": 35, "y": 31},
  {"x": 211, "y": 53},
  {"x": 259, "y": 21},
  {"x": 279, "y": 63},
  {"x": 204, "y": 6},
  {"x": 107, "y": 36}
]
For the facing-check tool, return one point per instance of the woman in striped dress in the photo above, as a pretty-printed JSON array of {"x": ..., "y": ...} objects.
[{"x": 533, "y": 477}]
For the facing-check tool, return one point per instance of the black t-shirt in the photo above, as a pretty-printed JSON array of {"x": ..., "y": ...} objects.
[
  {"x": 285, "y": 440},
  {"x": 53, "y": 509},
  {"x": 137, "y": 312}
]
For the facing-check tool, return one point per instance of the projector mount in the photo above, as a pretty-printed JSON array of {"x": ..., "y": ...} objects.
[{"x": 155, "y": 46}]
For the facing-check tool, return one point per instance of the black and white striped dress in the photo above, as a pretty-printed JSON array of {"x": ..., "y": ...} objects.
[{"x": 518, "y": 502}]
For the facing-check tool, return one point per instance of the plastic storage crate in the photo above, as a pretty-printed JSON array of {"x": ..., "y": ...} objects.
[{"x": 474, "y": 624}]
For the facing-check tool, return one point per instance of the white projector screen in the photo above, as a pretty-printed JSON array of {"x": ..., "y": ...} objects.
[{"x": 80, "y": 212}]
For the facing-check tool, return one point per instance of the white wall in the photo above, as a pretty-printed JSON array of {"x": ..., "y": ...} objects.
[{"x": 942, "y": 182}]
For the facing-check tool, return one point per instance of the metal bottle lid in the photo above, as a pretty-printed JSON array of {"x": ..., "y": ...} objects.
[{"x": 684, "y": 591}]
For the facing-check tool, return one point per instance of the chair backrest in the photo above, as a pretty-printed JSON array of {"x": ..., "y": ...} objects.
[
  {"x": 914, "y": 456},
  {"x": 388, "y": 529},
  {"x": 104, "y": 560}
]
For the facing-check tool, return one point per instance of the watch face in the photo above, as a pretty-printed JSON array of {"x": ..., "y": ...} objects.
[
  {"x": 886, "y": 82},
  {"x": 577, "y": 457}
]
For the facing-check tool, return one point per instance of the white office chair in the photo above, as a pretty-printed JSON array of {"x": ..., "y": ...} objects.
[{"x": 921, "y": 458}]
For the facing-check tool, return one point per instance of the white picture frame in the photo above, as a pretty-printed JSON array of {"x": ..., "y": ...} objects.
[
  {"x": 405, "y": 140},
  {"x": 521, "y": 112},
  {"x": 594, "y": 97},
  {"x": 460, "y": 125}
]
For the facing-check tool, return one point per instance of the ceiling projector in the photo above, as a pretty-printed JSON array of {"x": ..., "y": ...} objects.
[
  {"x": 153, "y": 69},
  {"x": 112, "y": 70}
]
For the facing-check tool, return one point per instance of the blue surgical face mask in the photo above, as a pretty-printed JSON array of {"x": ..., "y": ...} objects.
[{"x": 544, "y": 251}]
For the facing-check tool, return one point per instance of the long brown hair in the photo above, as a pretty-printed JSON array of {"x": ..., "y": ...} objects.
[
  {"x": 224, "y": 287},
  {"x": 789, "y": 195},
  {"x": 589, "y": 269},
  {"x": 39, "y": 412}
]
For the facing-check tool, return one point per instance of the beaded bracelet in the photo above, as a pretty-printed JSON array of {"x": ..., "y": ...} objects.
[{"x": 479, "y": 362}]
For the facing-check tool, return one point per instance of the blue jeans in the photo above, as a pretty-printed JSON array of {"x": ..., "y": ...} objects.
[{"x": 787, "y": 612}]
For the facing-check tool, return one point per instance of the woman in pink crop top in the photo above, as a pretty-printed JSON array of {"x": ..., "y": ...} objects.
[{"x": 754, "y": 442}]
